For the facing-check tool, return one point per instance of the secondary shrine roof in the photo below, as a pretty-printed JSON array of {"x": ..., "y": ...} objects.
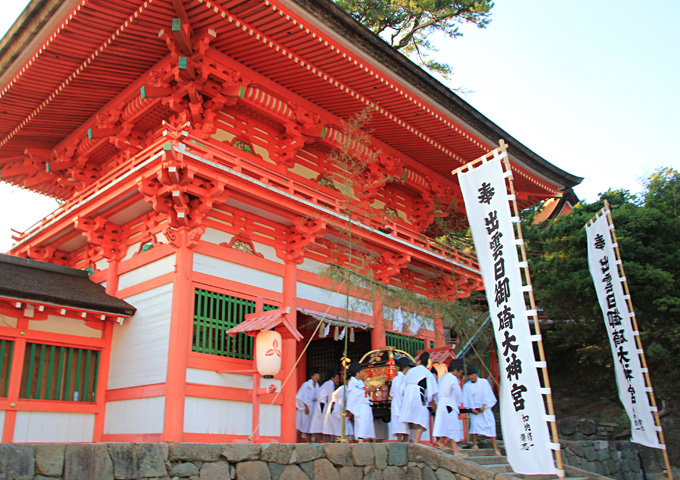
[
  {"x": 63, "y": 62},
  {"x": 30, "y": 281}
]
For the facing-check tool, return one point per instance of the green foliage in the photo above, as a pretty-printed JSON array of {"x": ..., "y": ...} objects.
[
  {"x": 663, "y": 191},
  {"x": 407, "y": 24},
  {"x": 648, "y": 234}
]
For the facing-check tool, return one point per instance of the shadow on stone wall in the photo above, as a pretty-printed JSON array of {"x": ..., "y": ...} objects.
[
  {"x": 194, "y": 461},
  {"x": 598, "y": 448}
]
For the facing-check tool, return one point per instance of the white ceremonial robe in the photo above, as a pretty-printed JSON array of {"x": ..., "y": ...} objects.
[
  {"x": 323, "y": 398},
  {"x": 413, "y": 410},
  {"x": 360, "y": 406},
  {"x": 332, "y": 423},
  {"x": 450, "y": 395},
  {"x": 476, "y": 395},
  {"x": 397, "y": 394},
  {"x": 305, "y": 397}
]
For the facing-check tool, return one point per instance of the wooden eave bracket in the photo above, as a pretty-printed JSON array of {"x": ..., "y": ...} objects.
[{"x": 36, "y": 310}]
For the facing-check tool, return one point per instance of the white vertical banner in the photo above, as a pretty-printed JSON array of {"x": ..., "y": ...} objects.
[
  {"x": 523, "y": 417},
  {"x": 630, "y": 379}
]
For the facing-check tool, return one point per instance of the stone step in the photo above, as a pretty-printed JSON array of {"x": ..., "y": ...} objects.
[
  {"x": 526, "y": 476},
  {"x": 482, "y": 452},
  {"x": 499, "y": 467},
  {"x": 488, "y": 460}
]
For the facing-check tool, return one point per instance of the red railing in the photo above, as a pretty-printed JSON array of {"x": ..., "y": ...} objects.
[{"x": 306, "y": 190}]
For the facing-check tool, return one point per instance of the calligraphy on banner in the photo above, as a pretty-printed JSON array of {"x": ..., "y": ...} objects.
[
  {"x": 523, "y": 418},
  {"x": 630, "y": 380}
]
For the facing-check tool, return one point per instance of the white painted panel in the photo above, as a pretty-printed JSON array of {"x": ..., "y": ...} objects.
[
  {"x": 101, "y": 264},
  {"x": 6, "y": 321},
  {"x": 38, "y": 427},
  {"x": 312, "y": 266},
  {"x": 335, "y": 299},
  {"x": 224, "y": 417},
  {"x": 270, "y": 420},
  {"x": 134, "y": 248},
  {"x": 139, "y": 351},
  {"x": 265, "y": 382},
  {"x": 140, "y": 415},
  {"x": 147, "y": 272},
  {"x": 215, "y": 236},
  {"x": 237, "y": 273},
  {"x": 2, "y": 420},
  {"x": 267, "y": 252},
  {"x": 67, "y": 326},
  {"x": 211, "y": 377}
]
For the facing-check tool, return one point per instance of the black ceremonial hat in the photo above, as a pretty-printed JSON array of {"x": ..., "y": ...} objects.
[
  {"x": 456, "y": 364},
  {"x": 404, "y": 362},
  {"x": 354, "y": 368}
]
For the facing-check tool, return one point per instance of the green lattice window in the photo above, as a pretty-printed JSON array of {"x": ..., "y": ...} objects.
[
  {"x": 6, "y": 349},
  {"x": 53, "y": 372},
  {"x": 214, "y": 314},
  {"x": 408, "y": 344}
]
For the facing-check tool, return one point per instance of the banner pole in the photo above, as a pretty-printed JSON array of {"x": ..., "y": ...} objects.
[
  {"x": 532, "y": 302},
  {"x": 638, "y": 339}
]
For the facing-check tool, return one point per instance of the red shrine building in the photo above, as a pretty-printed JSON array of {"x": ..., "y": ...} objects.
[{"x": 191, "y": 145}]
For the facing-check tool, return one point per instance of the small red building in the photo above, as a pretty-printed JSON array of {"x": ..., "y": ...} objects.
[{"x": 190, "y": 143}]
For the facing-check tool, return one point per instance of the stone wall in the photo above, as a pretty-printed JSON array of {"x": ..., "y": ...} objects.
[
  {"x": 195, "y": 461},
  {"x": 593, "y": 446}
]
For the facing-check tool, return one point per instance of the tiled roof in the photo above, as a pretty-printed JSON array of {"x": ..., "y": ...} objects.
[{"x": 30, "y": 280}]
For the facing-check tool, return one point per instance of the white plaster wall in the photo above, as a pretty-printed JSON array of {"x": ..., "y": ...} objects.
[
  {"x": 335, "y": 299},
  {"x": 139, "y": 350},
  {"x": 6, "y": 321},
  {"x": 267, "y": 252},
  {"x": 312, "y": 266},
  {"x": 2, "y": 420},
  {"x": 224, "y": 417},
  {"x": 134, "y": 248},
  {"x": 67, "y": 326},
  {"x": 233, "y": 380},
  {"x": 102, "y": 264},
  {"x": 270, "y": 420},
  {"x": 38, "y": 427},
  {"x": 140, "y": 415},
  {"x": 237, "y": 273},
  {"x": 211, "y": 377},
  {"x": 215, "y": 236},
  {"x": 147, "y": 272}
]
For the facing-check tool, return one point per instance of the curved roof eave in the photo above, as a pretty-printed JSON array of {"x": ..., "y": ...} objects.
[{"x": 399, "y": 65}]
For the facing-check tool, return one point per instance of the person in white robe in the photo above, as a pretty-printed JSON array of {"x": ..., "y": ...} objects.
[
  {"x": 332, "y": 424},
  {"x": 447, "y": 426},
  {"x": 304, "y": 402},
  {"x": 419, "y": 389},
  {"x": 359, "y": 405},
  {"x": 479, "y": 398},
  {"x": 397, "y": 427},
  {"x": 323, "y": 398}
]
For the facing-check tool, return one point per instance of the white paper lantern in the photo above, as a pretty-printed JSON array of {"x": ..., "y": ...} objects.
[{"x": 268, "y": 353}]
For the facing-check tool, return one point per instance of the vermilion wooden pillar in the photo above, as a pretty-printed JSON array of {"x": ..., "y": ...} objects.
[
  {"x": 378, "y": 338},
  {"x": 15, "y": 382},
  {"x": 105, "y": 357},
  {"x": 288, "y": 432},
  {"x": 180, "y": 334}
]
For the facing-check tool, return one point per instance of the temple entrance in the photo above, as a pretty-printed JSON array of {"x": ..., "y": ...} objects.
[{"x": 325, "y": 354}]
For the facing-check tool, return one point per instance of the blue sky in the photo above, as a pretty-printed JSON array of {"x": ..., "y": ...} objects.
[{"x": 593, "y": 90}]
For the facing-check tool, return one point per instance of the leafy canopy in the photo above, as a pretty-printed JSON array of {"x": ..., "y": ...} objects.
[
  {"x": 648, "y": 234},
  {"x": 407, "y": 24}
]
